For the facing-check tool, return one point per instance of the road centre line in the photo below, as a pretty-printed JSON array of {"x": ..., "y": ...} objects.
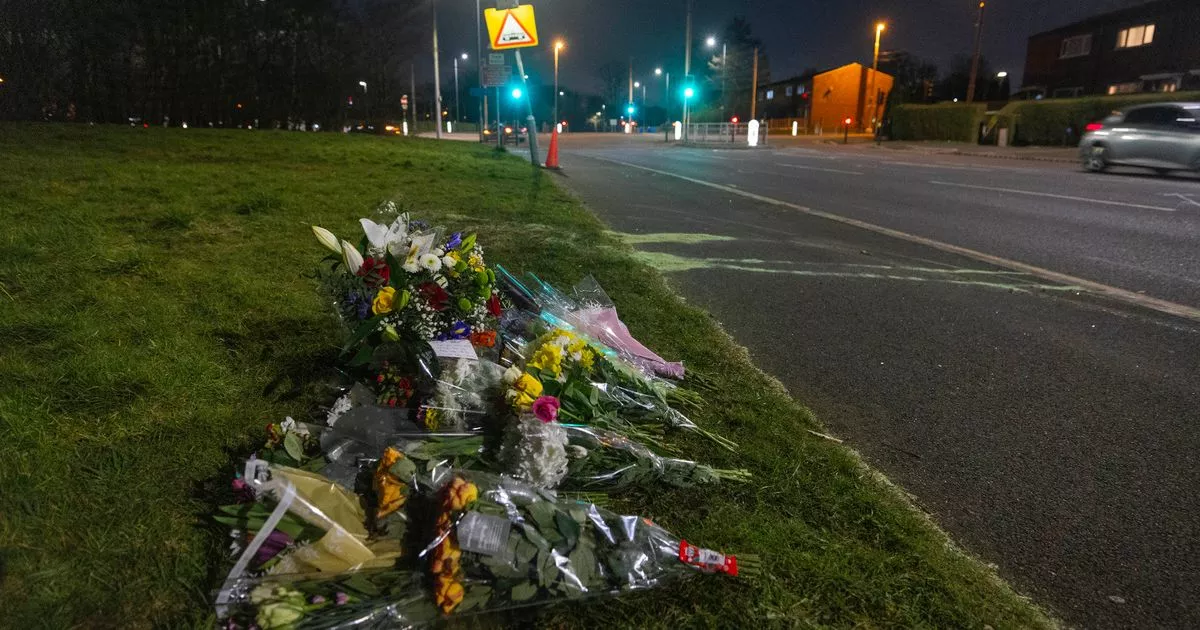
[
  {"x": 936, "y": 165},
  {"x": 1114, "y": 293},
  {"x": 1016, "y": 191},
  {"x": 817, "y": 168}
]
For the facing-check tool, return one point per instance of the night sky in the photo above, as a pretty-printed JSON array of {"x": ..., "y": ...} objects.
[{"x": 797, "y": 34}]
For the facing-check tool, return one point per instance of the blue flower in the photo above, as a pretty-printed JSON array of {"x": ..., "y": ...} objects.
[{"x": 455, "y": 241}]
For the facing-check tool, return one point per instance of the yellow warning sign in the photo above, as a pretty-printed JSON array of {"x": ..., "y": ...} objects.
[{"x": 511, "y": 28}]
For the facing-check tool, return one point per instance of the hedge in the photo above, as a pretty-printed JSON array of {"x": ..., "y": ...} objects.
[
  {"x": 957, "y": 121},
  {"x": 1047, "y": 122}
]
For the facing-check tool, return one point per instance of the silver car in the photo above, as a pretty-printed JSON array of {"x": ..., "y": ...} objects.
[{"x": 1164, "y": 137}]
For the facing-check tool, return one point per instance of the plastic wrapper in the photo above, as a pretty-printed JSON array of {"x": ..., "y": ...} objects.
[
  {"x": 465, "y": 394},
  {"x": 604, "y": 460},
  {"x": 491, "y": 544},
  {"x": 322, "y": 526},
  {"x": 591, "y": 389}
]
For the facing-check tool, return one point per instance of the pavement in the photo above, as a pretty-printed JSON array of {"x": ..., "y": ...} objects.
[{"x": 943, "y": 313}]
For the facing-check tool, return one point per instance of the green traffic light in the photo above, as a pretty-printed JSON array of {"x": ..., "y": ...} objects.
[
  {"x": 689, "y": 93},
  {"x": 516, "y": 93}
]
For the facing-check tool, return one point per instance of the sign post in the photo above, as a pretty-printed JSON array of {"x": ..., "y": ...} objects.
[{"x": 516, "y": 28}]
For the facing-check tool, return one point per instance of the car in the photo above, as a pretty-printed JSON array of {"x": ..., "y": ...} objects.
[{"x": 1163, "y": 137}]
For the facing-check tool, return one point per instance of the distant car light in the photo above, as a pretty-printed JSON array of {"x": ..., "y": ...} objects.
[{"x": 1094, "y": 126}]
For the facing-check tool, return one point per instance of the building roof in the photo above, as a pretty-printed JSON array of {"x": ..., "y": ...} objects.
[{"x": 1118, "y": 15}]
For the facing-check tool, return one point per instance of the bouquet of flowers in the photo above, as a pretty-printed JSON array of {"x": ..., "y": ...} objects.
[
  {"x": 404, "y": 281},
  {"x": 495, "y": 544},
  {"x": 595, "y": 390}
]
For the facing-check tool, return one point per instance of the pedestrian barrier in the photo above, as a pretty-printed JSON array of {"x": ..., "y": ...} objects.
[{"x": 720, "y": 133}]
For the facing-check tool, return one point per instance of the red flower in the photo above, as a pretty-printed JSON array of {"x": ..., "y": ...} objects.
[
  {"x": 436, "y": 296},
  {"x": 376, "y": 271},
  {"x": 493, "y": 305}
]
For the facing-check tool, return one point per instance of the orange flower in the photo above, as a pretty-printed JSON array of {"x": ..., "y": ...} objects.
[
  {"x": 485, "y": 339},
  {"x": 446, "y": 557},
  {"x": 388, "y": 487},
  {"x": 461, "y": 493},
  {"x": 450, "y": 597}
]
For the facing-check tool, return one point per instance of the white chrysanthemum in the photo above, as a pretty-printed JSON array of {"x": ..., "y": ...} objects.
[
  {"x": 535, "y": 452},
  {"x": 430, "y": 262},
  {"x": 411, "y": 265},
  {"x": 449, "y": 262}
]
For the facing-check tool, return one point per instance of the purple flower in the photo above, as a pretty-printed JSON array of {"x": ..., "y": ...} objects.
[
  {"x": 455, "y": 241},
  {"x": 316, "y": 599},
  {"x": 340, "y": 598},
  {"x": 275, "y": 543}
]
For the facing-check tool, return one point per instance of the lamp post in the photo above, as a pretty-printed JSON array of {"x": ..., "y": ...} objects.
[
  {"x": 658, "y": 72},
  {"x": 975, "y": 59},
  {"x": 366, "y": 105},
  {"x": 879, "y": 29},
  {"x": 711, "y": 42},
  {"x": 558, "y": 46},
  {"x": 457, "y": 111}
]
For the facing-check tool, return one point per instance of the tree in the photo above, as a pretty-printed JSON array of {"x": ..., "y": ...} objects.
[
  {"x": 731, "y": 79},
  {"x": 955, "y": 84},
  {"x": 614, "y": 82},
  {"x": 913, "y": 76}
]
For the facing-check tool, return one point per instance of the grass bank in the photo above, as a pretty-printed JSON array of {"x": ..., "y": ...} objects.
[{"x": 156, "y": 313}]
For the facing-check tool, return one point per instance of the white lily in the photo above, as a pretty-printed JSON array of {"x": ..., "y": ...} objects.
[
  {"x": 420, "y": 246},
  {"x": 386, "y": 238},
  {"x": 353, "y": 259},
  {"x": 327, "y": 239}
]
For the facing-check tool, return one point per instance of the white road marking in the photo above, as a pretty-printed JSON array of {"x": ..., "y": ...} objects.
[
  {"x": 817, "y": 168},
  {"x": 936, "y": 165},
  {"x": 1187, "y": 197},
  {"x": 1114, "y": 293},
  {"x": 1016, "y": 191}
]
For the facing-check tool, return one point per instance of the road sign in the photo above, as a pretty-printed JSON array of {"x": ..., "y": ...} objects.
[
  {"x": 496, "y": 59},
  {"x": 496, "y": 76},
  {"x": 511, "y": 28},
  {"x": 404, "y": 102}
]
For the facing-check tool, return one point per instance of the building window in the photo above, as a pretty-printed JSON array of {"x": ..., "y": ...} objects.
[
  {"x": 1136, "y": 36},
  {"x": 1125, "y": 88},
  {"x": 787, "y": 91},
  {"x": 1078, "y": 46},
  {"x": 770, "y": 94}
]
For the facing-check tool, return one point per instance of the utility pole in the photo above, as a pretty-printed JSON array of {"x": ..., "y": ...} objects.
[
  {"x": 531, "y": 126},
  {"x": 975, "y": 60},
  {"x": 412, "y": 77},
  {"x": 687, "y": 69},
  {"x": 724, "y": 73},
  {"x": 631, "y": 80},
  {"x": 437, "y": 79},
  {"x": 479, "y": 63},
  {"x": 457, "y": 111},
  {"x": 879, "y": 28},
  {"x": 754, "y": 88}
]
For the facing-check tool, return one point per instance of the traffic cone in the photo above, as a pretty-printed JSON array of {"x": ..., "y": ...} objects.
[{"x": 552, "y": 154}]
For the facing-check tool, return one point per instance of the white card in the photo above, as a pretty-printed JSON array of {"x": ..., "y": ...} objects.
[{"x": 454, "y": 349}]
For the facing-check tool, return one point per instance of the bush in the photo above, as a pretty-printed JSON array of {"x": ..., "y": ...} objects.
[
  {"x": 1047, "y": 122},
  {"x": 957, "y": 122}
]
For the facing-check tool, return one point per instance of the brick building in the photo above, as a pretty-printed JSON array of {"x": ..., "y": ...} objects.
[
  {"x": 825, "y": 99},
  {"x": 1153, "y": 47}
]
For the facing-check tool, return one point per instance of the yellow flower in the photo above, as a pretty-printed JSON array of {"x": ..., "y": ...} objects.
[
  {"x": 528, "y": 385},
  {"x": 448, "y": 593},
  {"x": 431, "y": 418},
  {"x": 587, "y": 358},
  {"x": 388, "y": 487},
  {"x": 547, "y": 358},
  {"x": 385, "y": 301},
  {"x": 476, "y": 262}
]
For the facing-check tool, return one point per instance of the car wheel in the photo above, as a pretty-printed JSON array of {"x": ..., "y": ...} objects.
[{"x": 1096, "y": 160}]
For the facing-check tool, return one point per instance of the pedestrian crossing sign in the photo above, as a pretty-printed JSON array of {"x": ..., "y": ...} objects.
[{"x": 511, "y": 28}]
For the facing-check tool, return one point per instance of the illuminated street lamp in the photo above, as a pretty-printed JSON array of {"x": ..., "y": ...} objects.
[
  {"x": 880, "y": 27},
  {"x": 558, "y": 46},
  {"x": 457, "y": 111}
]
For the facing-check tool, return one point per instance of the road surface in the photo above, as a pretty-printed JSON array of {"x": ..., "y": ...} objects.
[{"x": 1050, "y": 429}]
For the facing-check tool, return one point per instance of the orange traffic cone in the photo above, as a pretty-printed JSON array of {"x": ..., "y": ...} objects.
[{"x": 552, "y": 154}]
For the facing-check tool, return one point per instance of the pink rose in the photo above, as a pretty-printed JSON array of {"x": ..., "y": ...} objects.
[{"x": 545, "y": 409}]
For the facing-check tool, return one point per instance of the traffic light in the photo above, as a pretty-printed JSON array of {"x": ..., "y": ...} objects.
[
  {"x": 630, "y": 109},
  {"x": 928, "y": 90},
  {"x": 688, "y": 92}
]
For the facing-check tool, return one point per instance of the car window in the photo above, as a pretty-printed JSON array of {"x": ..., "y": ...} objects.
[
  {"x": 1187, "y": 119},
  {"x": 1150, "y": 116}
]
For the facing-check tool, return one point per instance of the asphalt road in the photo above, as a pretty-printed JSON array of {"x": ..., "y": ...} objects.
[{"x": 1051, "y": 431}]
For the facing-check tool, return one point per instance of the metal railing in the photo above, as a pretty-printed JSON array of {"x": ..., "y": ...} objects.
[{"x": 721, "y": 133}]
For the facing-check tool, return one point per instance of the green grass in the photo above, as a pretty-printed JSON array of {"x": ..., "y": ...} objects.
[{"x": 156, "y": 312}]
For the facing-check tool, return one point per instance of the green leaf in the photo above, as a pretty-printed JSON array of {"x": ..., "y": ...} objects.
[
  {"x": 360, "y": 583},
  {"x": 293, "y": 446},
  {"x": 362, "y": 332},
  {"x": 363, "y": 356},
  {"x": 526, "y": 552},
  {"x": 476, "y": 595},
  {"x": 404, "y": 469},
  {"x": 523, "y": 591},
  {"x": 567, "y": 527}
]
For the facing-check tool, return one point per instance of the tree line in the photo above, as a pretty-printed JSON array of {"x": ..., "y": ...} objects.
[{"x": 218, "y": 62}]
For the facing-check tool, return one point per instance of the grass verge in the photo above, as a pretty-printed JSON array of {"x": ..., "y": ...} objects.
[{"x": 156, "y": 313}]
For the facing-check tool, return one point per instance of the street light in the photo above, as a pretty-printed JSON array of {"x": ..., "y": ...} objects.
[
  {"x": 658, "y": 72},
  {"x": 457, "y": 111},
  {"x": 558, "y": 46},
  {"x": 999, "y": 75},
  {"x": 880, "y": 27},
  {"x": 711, "y": 41}
]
